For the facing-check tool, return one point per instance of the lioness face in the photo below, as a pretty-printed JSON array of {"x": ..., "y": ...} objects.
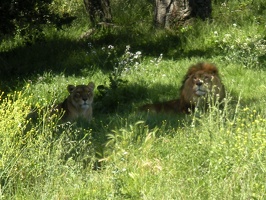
[
  {"x": 204, "y": 83},
  {"x": 81, "y": 95}
]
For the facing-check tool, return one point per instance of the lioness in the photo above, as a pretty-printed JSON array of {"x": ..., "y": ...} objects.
[
  {"x": 201, "y": 85},
  {"x": 78, "y": 104}
]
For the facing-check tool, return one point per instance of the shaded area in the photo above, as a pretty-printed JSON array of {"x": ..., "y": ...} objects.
[
  {"x": 117, "y": 99},
  {"x": 72, "y": 56}
]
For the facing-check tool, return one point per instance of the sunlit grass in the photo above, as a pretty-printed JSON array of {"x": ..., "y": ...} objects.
[{"x": 219, "y": 154}]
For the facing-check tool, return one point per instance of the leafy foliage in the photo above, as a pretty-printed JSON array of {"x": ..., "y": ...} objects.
[
  {"x": 124, "y": 153},
  {"x": 117, "y": 91},
  {"x": 239, "y": 48},
  {"x": 28, "y": 17}
]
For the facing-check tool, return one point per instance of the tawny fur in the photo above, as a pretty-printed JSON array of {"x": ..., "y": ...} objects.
[
  {"x": 201, "y": 82},
  {"x": 78, "y": 104}
]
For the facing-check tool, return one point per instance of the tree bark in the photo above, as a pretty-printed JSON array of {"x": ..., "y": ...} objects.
[
  {"x": 169, "y": 13},
  {"x": 98, "y": 10}
]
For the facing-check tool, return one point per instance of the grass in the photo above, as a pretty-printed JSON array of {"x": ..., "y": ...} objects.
[{"x": 213, "y": 155}]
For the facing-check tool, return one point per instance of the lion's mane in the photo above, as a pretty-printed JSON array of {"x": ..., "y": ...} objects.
[{"x": 200, "y": 86}]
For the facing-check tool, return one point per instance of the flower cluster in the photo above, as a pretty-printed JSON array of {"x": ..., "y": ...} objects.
[
  {"x": 108, "y": 56},
  {"x": 240, "y": 48},
  {"x": 249, "y": 133},
  {"x": 127, "y": 61}
]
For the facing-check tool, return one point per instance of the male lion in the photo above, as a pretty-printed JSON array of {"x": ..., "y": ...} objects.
[
  {"x": 201, "y": 85},
  {"x": 78, "y": 104}
]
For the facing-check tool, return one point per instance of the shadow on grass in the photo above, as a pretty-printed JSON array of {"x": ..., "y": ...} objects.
[
  {"x": 58, "y": 55},
  {"x": 71, "y": 57},
  {"x": 123, "y": 110}
]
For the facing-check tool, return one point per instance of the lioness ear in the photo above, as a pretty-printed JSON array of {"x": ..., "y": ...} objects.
[
  {"x": 70, "y": 88},
  {"x": 91, "y": 85}
]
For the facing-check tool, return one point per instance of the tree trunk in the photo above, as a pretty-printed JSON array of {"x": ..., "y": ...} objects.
[
  {"x": 169, "y": 13},
  {"x": 98, "y": 10}
]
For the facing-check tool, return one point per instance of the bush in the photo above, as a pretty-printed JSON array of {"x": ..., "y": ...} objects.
[
  {"x": 34, "y": 153},
  {"x": 27, "y": 18}
]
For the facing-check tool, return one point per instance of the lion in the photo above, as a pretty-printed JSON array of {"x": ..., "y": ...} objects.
[
  {"x": 78, "y": 105},
  {"x": 201, "y": 86}
]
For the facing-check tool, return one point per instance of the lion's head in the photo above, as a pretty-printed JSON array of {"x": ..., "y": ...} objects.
[
  {"x": 201, "y": 81},
  {"x": 81, "y": 96},
  {"x": 200, "y": 87}
]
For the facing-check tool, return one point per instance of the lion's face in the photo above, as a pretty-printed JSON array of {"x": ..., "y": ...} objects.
[
  {"x": 81, "y": 96},
  {"x": 202, "y": 83}
]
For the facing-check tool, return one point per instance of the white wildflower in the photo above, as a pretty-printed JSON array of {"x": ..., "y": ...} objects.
[{"x": 110, "y": 47}]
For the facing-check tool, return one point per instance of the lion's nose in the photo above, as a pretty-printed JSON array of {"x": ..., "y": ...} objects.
[
  {"x": 199, "y": 83},
  {"x": 84, "y": 98}
]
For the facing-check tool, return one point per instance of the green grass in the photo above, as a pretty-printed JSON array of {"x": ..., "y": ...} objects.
[{"x": 215, "y": 155}]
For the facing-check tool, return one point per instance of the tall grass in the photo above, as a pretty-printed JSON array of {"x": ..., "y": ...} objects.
[
  {"x": 208, "y": 156},
  {"x": 124, "y": 153}
]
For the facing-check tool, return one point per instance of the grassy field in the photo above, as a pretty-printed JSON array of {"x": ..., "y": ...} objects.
[{"x": 124, "y": 153}]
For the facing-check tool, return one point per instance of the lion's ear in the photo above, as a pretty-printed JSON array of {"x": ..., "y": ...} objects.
[
  {"x": 214, "y": 71},
  {"x": 190, "y": 72},
  {"x": 210, "y": 68},
  {"x": 91, "y": 85},
  {"x": 70, "y": 88}
]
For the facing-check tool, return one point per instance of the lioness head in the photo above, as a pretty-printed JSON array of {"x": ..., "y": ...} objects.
[
  {"x": 81, "y": 96},
  {"x": 201, "y": 80}
]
